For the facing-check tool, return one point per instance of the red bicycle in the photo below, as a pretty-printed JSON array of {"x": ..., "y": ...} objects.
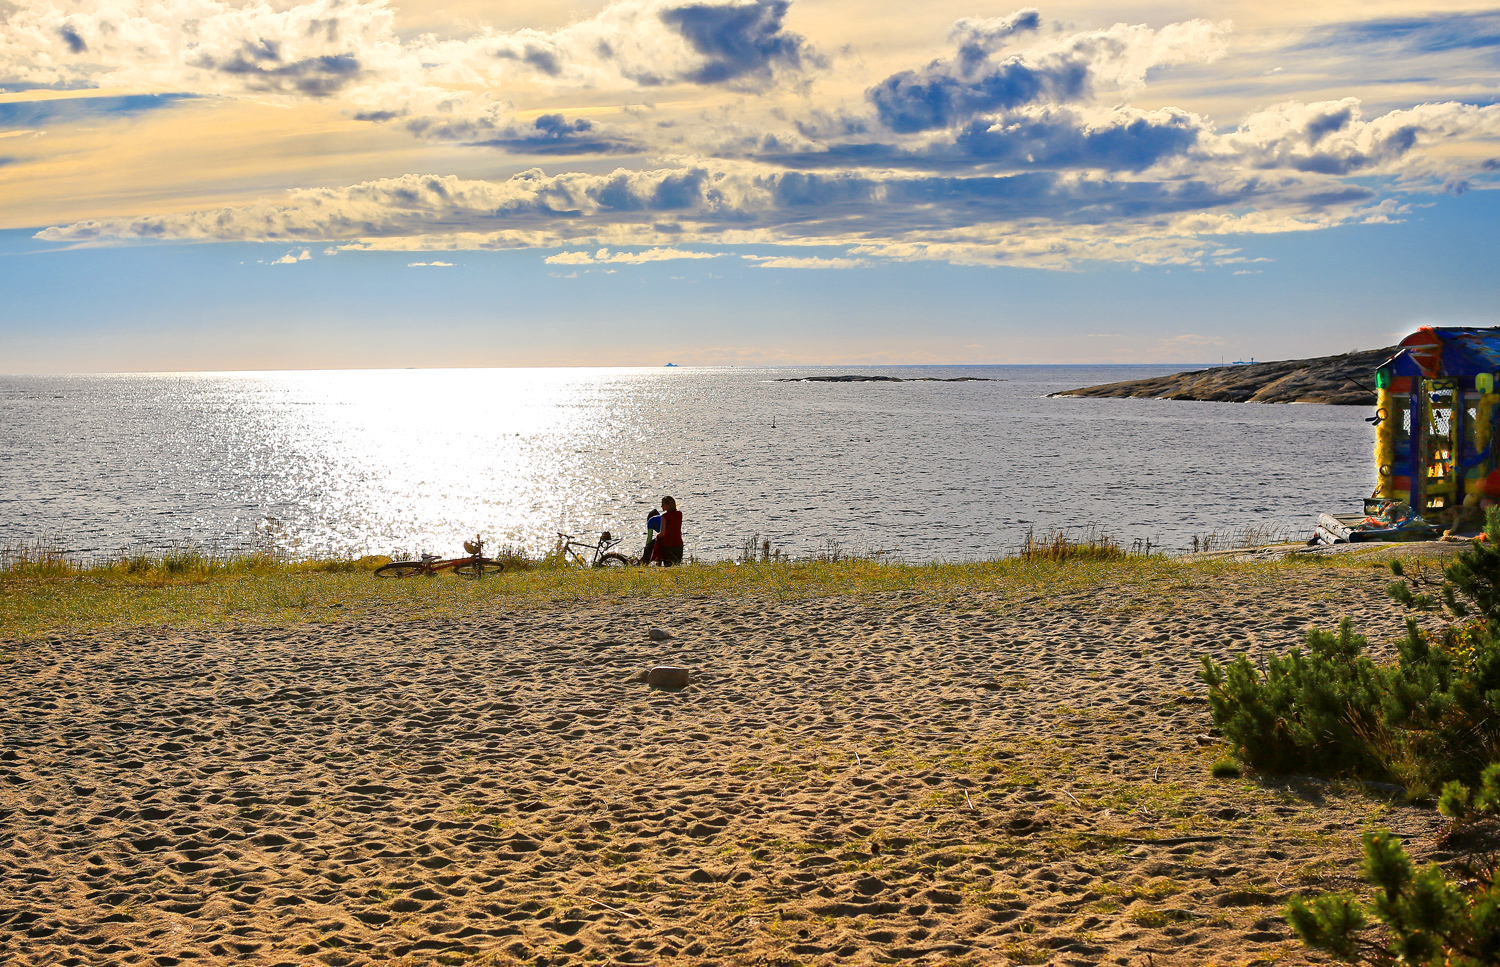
[{"x": 474, "y": 566}]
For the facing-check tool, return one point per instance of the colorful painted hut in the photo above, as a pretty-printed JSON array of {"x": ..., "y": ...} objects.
[{"x": 1437, "y": 411}]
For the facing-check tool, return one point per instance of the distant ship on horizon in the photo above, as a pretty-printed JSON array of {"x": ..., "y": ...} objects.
[{"x": 672, "y": 364}]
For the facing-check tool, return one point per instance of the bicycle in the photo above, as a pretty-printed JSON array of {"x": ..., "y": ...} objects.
[
  {"x": 474, "y": 566},
  {"x": 603, "y": 556}
]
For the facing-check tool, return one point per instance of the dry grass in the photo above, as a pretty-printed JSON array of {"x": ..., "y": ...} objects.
[
  {"x": 1253, "y": 535},
  {"x": 42, "y": 598},
  {"x": 1092, "y": 544}
]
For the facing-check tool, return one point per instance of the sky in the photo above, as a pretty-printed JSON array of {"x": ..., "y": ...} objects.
[{"x": 217, "y": 185}]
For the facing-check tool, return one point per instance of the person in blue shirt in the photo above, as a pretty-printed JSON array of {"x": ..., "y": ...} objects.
[{"x": 653, "y": 528}]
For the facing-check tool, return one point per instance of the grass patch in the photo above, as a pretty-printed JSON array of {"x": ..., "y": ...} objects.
[
  {"x": 42, "y": 597},
  {"x": 1157, "y": 889},
  {"x": 1152, "y": 917},
  {"x": 1225, "y": 769},
  {"x": 1061, "y": 545},
  {"x": 1024, "y": 953}
]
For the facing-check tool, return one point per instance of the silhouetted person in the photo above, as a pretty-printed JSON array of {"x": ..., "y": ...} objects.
[{"x": 667, "y": 550}]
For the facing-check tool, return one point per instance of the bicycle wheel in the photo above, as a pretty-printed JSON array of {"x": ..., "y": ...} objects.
[
  {"x": 475, "y": 569},
  {"x": 400, "y": 569},
  {"x": 614, "y": 559}
]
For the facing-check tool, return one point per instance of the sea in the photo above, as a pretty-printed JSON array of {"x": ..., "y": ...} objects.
[{"x": 348, "y": 463}]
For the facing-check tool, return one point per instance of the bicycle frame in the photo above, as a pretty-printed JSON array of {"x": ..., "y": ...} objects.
[
  {"x": 475, "y": 565},
  {"x": 572, "y": 546},
  {"x": 432, "y": 564}
]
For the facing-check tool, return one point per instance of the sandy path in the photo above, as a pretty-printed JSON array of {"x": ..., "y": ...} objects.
[{"x": 848, "y": 781}]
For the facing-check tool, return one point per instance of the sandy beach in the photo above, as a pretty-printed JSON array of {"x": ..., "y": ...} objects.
[{"x": 876, "y": 779}]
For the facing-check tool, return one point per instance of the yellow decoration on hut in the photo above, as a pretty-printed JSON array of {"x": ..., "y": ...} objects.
[
  {"x": 1385, "y": 441},
  {"x": 1484, "y": 413}
]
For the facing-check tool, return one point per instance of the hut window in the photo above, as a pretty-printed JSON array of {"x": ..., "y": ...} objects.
[{"x": 1442, "y": 399}]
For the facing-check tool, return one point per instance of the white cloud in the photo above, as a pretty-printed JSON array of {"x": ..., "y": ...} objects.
[
  {"x": 805, "y": 262},
  {"x": 292, "y": 259},
  {"x": 1019, "y": 147},
  {"x": 571, "y": 258},
  {"x": 417, "y": 265},
  {"x": 1047, "y": 220},
  {"x": 202, "y": 46},
  {"x": 352, "y": 51},
  {"x": 1332, "y": 137},
  {"x": 984, "y": 78},
  {"x": 741, "y": 43},
  {"x": 632, "y": 258}
]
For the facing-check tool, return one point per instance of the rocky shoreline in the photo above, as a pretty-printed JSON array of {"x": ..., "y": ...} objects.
[{"x": 1346, "y": 380}]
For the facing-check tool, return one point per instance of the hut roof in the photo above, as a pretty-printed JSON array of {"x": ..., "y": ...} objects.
[{"x": 1448, "y": 351}]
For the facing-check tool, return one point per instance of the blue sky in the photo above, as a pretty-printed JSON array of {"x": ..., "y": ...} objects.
[{"x": 745, "y": 182}]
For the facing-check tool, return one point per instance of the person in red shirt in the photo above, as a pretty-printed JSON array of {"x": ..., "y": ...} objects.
[{"x": 667, "y": 551}]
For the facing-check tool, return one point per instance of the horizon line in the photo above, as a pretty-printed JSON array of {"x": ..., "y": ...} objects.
[{"x": 638, "y": 367}]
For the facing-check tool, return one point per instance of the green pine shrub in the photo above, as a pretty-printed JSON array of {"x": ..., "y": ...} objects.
[
  {"x": 1459, "y": 804},
  {"x": 1431, "y": 717},
  {"x": 1470, "y": 586},
  {"x": 1309, "y": 711},
  {"x": 1428, "y": 918}
]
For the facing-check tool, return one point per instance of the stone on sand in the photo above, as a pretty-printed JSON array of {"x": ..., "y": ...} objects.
[
  {"x": 667, "y": 676},
  {"x": 660, "y": 634}
]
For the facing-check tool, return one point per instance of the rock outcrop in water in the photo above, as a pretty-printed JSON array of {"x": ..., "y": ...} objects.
[{"x": 1347, "y": 380}]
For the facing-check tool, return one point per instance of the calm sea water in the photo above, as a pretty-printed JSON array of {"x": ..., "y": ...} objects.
[{"x": 383, "y": 461}]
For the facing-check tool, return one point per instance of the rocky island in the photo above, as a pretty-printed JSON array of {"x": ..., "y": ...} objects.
[{"x": 1346, "y": 380}]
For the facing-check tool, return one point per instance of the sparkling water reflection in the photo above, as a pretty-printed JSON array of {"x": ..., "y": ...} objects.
[{"x": 376, "y": 461}]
